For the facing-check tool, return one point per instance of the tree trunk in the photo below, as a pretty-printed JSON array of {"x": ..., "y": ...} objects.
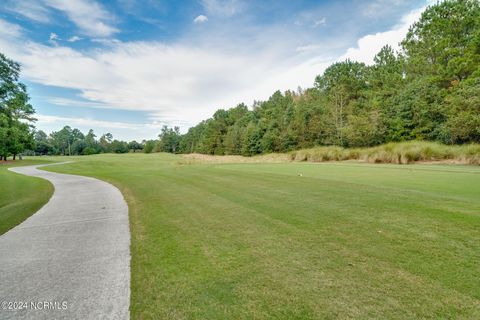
[{"x": 14, "y": 156}]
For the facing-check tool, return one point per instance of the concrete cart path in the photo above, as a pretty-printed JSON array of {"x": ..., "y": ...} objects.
[{"x": 71, "y": 259}]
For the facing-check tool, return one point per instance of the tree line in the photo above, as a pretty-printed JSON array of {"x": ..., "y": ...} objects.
[
  {"x": 429, "y": 90},
  {"x": 68, "y": 141}
]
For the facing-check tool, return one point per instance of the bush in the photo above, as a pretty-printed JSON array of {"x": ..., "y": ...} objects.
[{"x": 89, "y": 150}]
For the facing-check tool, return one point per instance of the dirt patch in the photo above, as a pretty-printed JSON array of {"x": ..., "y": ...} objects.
[
  {"x": 205, "y": 158},
  {"x": 449, "y": 161},
  {"x": 3, "y": 162}
]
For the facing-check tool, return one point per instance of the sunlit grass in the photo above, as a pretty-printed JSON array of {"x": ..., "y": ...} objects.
[{"x": 20, "y": 196}]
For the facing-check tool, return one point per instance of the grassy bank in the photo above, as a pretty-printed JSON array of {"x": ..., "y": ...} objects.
[
  {"x": 20, "y": 196},
  {"x": 398, "y": 153},
  {"x": 297, "y": 240}
]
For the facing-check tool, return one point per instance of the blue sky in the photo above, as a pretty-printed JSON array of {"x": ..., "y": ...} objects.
[{"x": 130, "y": 66}]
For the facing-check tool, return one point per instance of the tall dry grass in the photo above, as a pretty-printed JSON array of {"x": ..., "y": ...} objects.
[{"x": 399, "y": 153}]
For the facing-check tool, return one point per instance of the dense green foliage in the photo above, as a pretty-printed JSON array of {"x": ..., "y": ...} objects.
[
  {"x": 430, "y": 90},
  {"x": 15, "y": 111},
  {"x": 70, "y": 141},
  {"x": 296, "y": 240},
  {"x": 20, "y": 196}
]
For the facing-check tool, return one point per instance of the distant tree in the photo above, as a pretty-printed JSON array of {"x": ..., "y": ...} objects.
[
  {"x": 149, "y": 145},
  {"x": 169, "y": 139},
  {"x": 42, "y": 144},
  {"x": 343, "y": 83},
  {"x": 134, "y": 145},
  {"x": 78, "y": 147},
  {"x": 91, "y": 145},
  {"x": 252, "y": 140},
  {"x": 119, "y": 146},
  {"x": 16, "y": 114},
  {"x": 105, "y": 141},
  {"x": 62, "y": 140}
]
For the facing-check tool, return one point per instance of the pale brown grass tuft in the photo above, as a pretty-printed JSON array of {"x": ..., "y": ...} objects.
[{"x": 398, "y": 153}]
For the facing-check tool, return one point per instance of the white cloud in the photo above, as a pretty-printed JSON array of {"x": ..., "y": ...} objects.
[
  {"x": 200, "y": 19},
  {"x": 378, "y": 8},
  {"x": 88, "y": 15},
  {"x": 44, "y": 119},
  {"x": 320, "y": 23},
  {"x": 33, "y": 10},
  {"x": 54, "y": 36},
  {"x": 226, "y": 8},
  {"x": 65, "y": 102},
  {"x": 106, "y": 41},
  {"x": 53, "y": 39},
  {"x": 369, "y": 45},
  {"x": 307, "y": 48},
  {"x": 9, "y": 30},
  {"x": 74, "y": 39}
]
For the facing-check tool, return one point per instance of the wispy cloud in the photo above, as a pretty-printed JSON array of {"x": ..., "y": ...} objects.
[
  {"x": 308, "y": 47},
  {"x": 88, "y": 15},
  {"x": 225, "y": 8},
  {"x": 87, "y": 122},
  {"x": 74, "y": 39},
  {"x": 34, "y": 10},
  {"x": 77, "y": 103},
  {"x": 200, "y": 19},
  {"x": 320, "y": 22},
  {"x": 9, "y": 30},
  {"x": 377, "y": 8}
]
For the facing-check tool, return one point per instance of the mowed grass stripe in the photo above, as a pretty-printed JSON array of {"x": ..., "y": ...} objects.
[
  {"x": 258, "y": 241},
  {"x": 412, "y": 231},
  {"x": 417, "y": 178}
]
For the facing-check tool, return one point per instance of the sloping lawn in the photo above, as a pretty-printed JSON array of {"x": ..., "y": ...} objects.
[
  {"x": 298, "y": 240},
  {"x": 20, "y": 196}
]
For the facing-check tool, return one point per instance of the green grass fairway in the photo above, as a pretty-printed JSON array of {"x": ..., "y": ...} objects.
[
  {"x": 298, "y": 240},
  {"x": 20, "y": 196}
]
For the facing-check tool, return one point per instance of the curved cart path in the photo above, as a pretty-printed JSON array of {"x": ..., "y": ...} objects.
[{"x": 74, "y": 250}]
